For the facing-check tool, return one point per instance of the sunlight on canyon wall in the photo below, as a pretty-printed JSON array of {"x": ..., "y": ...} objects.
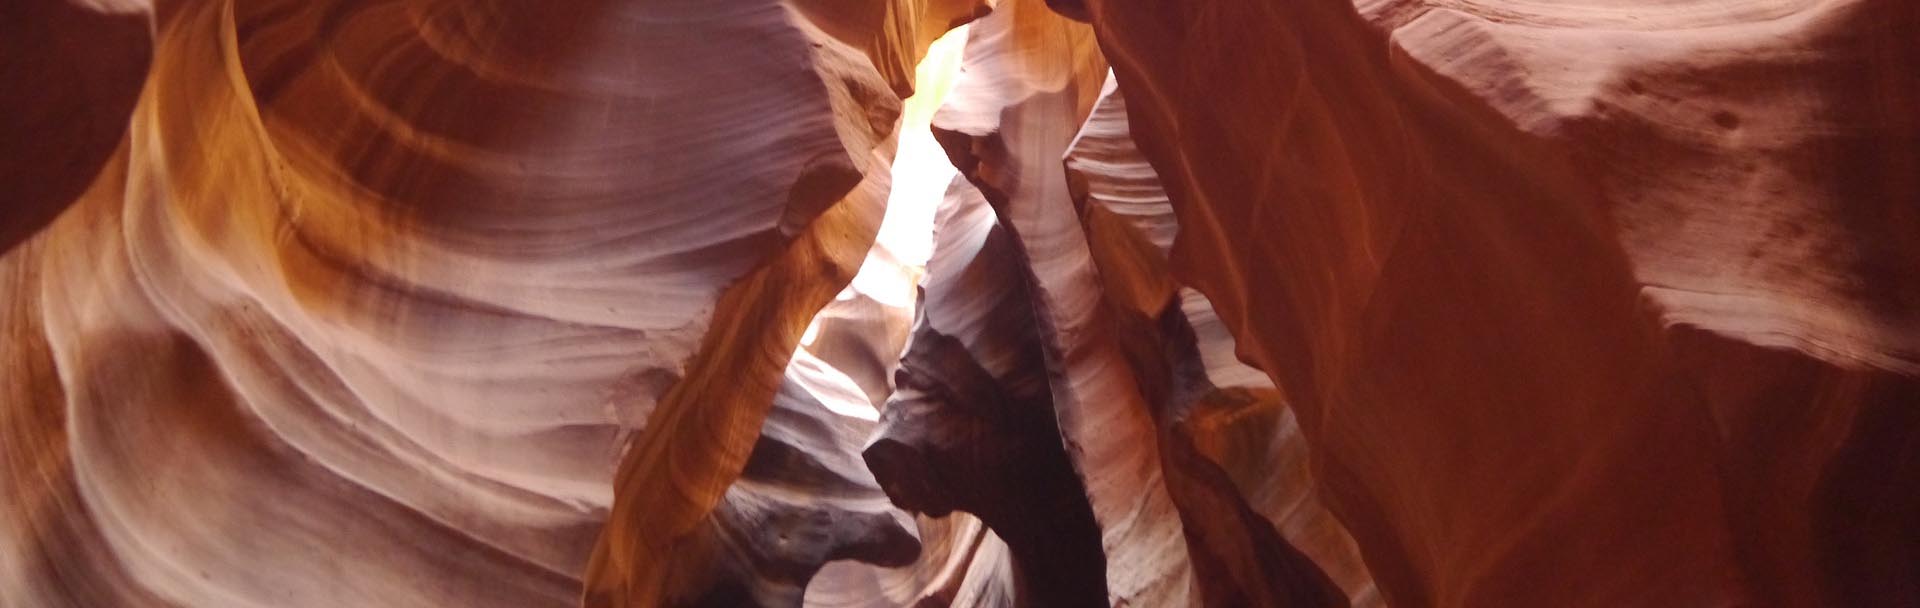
[{"x": 959, "y": 303}]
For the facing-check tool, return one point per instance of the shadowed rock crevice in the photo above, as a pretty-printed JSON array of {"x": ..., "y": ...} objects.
[
  {"x": 970, "y": 426},
  {"x": 72, "y": 76},
  {"x": 1198, "y": 393},
  {"x": 510, "y": 304}
]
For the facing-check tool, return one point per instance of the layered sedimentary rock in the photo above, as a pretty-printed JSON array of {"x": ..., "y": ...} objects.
[
  {"x": 1028, "y": 80},
  {"x": 865, "y": 333},
  {"x": 1176, "y": 530},
  {"x": 372, "y": 295},
  {"x": 1554, "y": 288},
  {"x": 971, "y": 424},
  {"x": 804, "y": 499},
  {"x": 1302, "y": 303},
  {"x": 1234, "y": 457}
]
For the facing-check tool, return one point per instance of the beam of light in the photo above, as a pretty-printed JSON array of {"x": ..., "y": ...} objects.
[{"x": 921, "y": 173}]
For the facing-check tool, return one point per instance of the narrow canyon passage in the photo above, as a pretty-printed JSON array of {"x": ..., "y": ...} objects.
[{"x": 973, "y": 303}]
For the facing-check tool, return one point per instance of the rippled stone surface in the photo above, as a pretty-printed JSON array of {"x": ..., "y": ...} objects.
[
  {"x": 1555, "y": 287},
  {"x": 1293, "y": 303}
]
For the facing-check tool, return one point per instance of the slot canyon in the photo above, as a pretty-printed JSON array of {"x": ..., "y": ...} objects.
[{"x": 970, "y": 303}]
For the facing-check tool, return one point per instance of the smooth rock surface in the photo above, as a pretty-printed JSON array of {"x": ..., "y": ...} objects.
[
  {"x": 1555, "y": 287},
  {"x": 796, "y": 303}
]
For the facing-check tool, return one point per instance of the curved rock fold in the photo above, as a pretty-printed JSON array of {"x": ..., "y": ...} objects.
[{"x": 634, "y": 304}]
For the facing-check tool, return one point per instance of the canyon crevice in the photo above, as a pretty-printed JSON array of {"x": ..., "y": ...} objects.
[{"x": 974, "y": 303}]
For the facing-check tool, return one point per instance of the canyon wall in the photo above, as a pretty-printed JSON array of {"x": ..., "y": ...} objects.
[
  {"x": 1602, "y": 303},
  {"x": 373, "y": 296},
  {"x": 1291, "y": 303}
]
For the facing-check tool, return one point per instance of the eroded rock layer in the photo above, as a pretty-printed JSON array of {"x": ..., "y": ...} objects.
[
  {"x": 636, "y": 304},
  {"x": 1556, "y": 287},
  {"x": 1028, "y": 80},
  {"x": 373, "y": 294},
  {"x": 970, "y": 426},
  {"x": 1233, "y": 450}
]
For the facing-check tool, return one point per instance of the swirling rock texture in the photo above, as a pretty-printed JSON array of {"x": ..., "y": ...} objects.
[
  {"x": 373, "y": 294},
  {"x": 971, "y": 426},
  {"x": 1028, "y": 80},
  {"x": 1556, "y": 288},
  {"x": 1224, "y": 427},
  {"x": 1293, "y": 303},
  {"x": 804, "y": 498}
]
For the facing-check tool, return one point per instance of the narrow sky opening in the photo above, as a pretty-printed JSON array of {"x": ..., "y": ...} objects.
[
  {"x": 921, "y": 170},
  {"x": 920, "y": 176}
]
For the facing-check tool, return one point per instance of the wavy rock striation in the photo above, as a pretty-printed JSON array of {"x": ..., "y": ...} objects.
[
  {"x": 970, "y": 426},
  {"x": 1234, "y": 457},
  {"x": 804, "y": 499},
  {"x": 373, "y": 294},
  {"x": 1297, "y": 303},
  {"x": 1554, "y": 287},
  {"x": 1027, "y": 82}
]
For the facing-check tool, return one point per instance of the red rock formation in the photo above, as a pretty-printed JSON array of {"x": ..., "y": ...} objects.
[
  {"x": 804, "y": 499},
  {"x": 364, "y": 308},
  {"x": 72, "y": 75},
  {"x": 1522, "y": 270},
  {"x": 1311, "y": 302},
  {"x": 1234, "y": 453},
  {"x": 1028, "y": 80},
  {"x": 970, "y": 426}
]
